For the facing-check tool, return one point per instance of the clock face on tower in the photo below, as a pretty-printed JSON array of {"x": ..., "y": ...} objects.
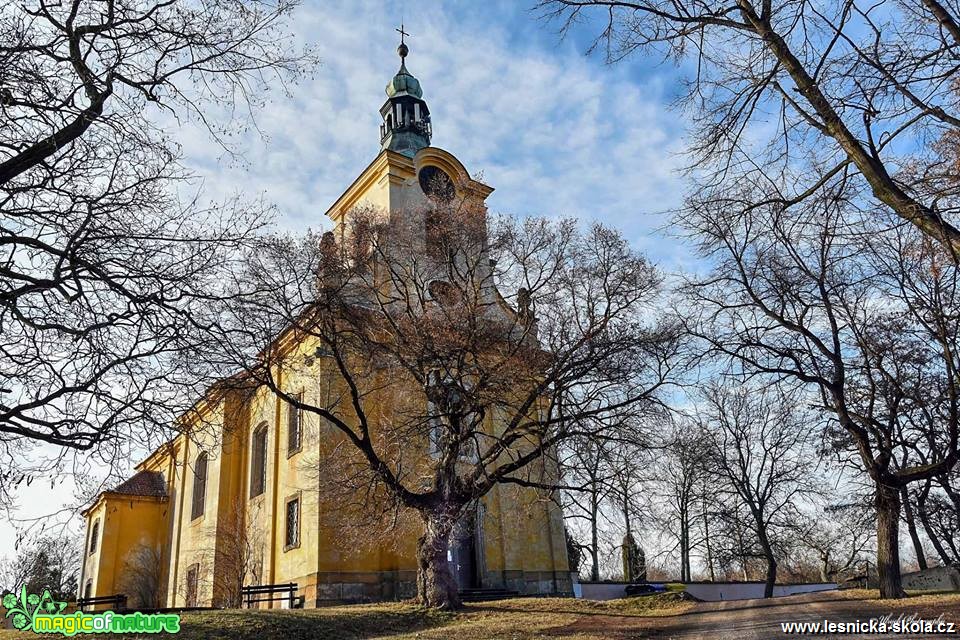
[{"x": 436, "y": 184}]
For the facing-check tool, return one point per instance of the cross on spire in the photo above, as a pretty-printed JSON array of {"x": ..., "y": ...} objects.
[{"x": 401, "y": 32}]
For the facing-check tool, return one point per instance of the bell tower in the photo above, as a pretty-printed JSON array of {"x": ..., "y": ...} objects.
[{"x": 406, "y": 118}]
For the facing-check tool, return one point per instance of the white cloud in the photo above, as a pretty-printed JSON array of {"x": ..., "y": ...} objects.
[{"x": 554, "y": 132}]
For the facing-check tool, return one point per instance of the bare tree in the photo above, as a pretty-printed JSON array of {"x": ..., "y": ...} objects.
[
  {"x": 808, "y": 94},
  {"x": 939, "y": 517},
  {"x": 868, "y": 320},
  {"x": 678, "y": 472},
  {"x": 141, "y": 578},
  {"x": 460, "y": 358},
  {"x": 585, "y": 471},
  {"x": 601, "y": 478},
  {"x": 105, "y": 269},
  {"x": 47, "y": 562},
  {"x": 237, "y": 556},
  {"x": 628, "y": 461},
  {"x": 758, "y": 449},
  {"x": 839, "y": 535}
]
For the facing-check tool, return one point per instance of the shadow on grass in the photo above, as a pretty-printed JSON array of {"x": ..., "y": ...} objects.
[
  {"x": 665, "y": 605},
  {"x": 333, "y": 624}
]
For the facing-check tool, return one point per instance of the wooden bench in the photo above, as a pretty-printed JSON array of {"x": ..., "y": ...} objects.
[
  {"x": 118, "y": 602},
  {"x": 272, "y": 593}
]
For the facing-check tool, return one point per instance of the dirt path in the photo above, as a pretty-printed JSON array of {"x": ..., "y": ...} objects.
[{"x": 761, "y": 619}]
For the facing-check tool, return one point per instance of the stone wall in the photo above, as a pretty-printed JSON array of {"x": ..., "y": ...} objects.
[
  {"x": 708, "y": 591},
  {"x": 935, "y": 579}
]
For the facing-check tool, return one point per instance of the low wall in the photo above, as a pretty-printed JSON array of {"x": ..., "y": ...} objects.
[
  {"x": 935, "y": 579},
  {"x": 603, "y": 590},
  {"x": 708, "y": 591}
]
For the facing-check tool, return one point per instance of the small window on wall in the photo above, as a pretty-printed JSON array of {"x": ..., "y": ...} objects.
[
  {"x": 192, "y": 586},
  {"x": 294, "y": 426},
  {"x": 258, "y": 461},
  {"x": 199, "y": 486},
  {"x": 94, "y": 535},
  {"x": 88, "y": 589},
  {"x": 292, "y": 538}
]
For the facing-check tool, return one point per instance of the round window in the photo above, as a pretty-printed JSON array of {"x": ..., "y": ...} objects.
[{"x": 436, "y": 184}]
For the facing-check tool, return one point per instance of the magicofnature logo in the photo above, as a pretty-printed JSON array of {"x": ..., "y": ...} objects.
[
  {"x": 26, "y": 606},
  {"x": 43, "y": 614}
]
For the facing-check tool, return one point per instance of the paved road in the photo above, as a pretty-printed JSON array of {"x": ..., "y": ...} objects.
[{"x": 761, "y": 619}]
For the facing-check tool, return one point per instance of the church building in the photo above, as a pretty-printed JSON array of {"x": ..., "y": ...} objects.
[{"x": 235, "y": 503}]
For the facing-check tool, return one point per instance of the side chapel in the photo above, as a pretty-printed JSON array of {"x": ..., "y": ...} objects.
[{"x": 176, "y": 512}]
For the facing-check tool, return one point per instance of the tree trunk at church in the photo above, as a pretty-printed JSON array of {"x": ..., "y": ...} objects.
[
  {"x": 436, "y": 587},
  {"x": 887, "y": 501}
]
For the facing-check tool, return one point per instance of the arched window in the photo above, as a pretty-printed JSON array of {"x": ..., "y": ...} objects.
[
  {"x": 199, "y": 486},
  {"x": 94, "y": 535},
  {"x": 258, "y": 461},
  {"x": 88, "y": 589},
  {"x": 292, "y": 535},
  {"x": 294, "y": 426},
  {"x": 193, "y": 585}
]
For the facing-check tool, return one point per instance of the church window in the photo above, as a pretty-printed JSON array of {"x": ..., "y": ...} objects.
[
  {"x": 199, "y": 486},
  {"x": 436, "y": 184},
  {"x": 294, "y": 426},
  {"x": 437, "y": 235},
  {"x": 258, "y": 461},
  {"x": 361, "y": 242},
  {"x": 443, "y": 292},
  {"x": 193, "y": 583},
  {"x": 434, "y": 420},
  {"x": 88, "y": 589},
  {"x": 292, "y": 538},
  {"x": 94, "y": 534}
]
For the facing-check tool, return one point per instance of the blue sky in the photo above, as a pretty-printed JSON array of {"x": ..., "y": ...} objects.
[{"x": 554, "y": 131}]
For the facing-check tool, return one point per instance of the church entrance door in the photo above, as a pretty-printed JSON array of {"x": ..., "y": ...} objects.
[
  {"x": 463, "y": 554},
  {"x": 462, "y": 561}
]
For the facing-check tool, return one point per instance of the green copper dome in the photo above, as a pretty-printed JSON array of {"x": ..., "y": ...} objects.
[{"x": 404, "y": 83}]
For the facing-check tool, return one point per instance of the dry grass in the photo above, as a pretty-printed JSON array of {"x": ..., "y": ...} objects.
[
  {"x": 520, "y": 618},
  {"x": 524, "y": 618},
  {"x": 915, "y": 598},
  {"x": 517, "y": 619}
]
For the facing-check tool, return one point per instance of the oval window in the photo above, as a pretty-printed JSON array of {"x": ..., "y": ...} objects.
[
  {"x": 436, "y": 184},
  {"x": 444, "y": 292}
]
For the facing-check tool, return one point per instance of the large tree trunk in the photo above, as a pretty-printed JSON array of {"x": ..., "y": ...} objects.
[
  {"x": 436, "y": 587},
  {"x": 912, "y": 528},
  {"x": 887, "y": 502},
  {"x": 771, "y": 579}
]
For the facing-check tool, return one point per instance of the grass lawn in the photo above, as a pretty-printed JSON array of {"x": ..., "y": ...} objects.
[
  {"x": 529, "y": 618},
  {"x": 520, "y": 618}
]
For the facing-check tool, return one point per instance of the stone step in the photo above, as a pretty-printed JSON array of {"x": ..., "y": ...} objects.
[{"x": 483, "y": 595}]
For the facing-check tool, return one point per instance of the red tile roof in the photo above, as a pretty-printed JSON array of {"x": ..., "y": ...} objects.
[{"x": 143, "y": 483}]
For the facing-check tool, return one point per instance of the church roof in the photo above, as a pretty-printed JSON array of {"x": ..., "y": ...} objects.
[
  {"x": 143, "y": 483},
  {"x": 404, "y": 84}
]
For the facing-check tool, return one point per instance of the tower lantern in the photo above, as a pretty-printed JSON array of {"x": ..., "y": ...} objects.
[{"x": 406, "y": 118}]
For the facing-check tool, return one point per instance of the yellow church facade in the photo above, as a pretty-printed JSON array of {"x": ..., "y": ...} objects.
[{"x": 237, "y": 499}]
